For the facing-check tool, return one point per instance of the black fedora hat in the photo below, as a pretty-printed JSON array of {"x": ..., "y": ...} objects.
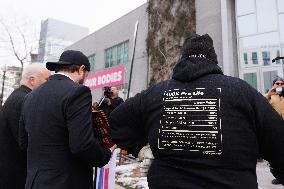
[{"x": 70, "y": 57}]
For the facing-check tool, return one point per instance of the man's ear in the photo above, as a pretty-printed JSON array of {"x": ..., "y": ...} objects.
[
  {"x": 82, "y": 68},
  {"x": 32, "y": 80}
]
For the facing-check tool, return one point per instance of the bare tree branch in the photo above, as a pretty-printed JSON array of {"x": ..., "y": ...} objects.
[
  {"x": 24, "y": 41},
  {"x": 11, "y": 41}
]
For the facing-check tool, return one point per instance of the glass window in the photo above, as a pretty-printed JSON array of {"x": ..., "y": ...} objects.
[
  {"x": 120, "y": 53},
  {"x": 281, "y": 27},
  {"x": 266, "y": 57},
  {"x": 266, "y": 15},
  {"x": 92, "y": 60},
  {"x": 125, "y": 53},
  {"x": 244, "y": 22},
  {"x": 280, "y": 4},
  {"x": 245, "y": 7},
  {"x": 254, "y": 58},
  {"x": 257, "y": 41},
  {"x": 268, "y": 77},
  {"x": 246, "y": 58},
  {"x": 251, "y": 79},
  {"x": 110, "y": 57},
  {"x": 116, "y": 55},
  {"x": 277, "y": 54}
]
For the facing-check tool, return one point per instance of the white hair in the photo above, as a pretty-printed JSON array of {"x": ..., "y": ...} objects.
[{"x": 31, "y": 70}]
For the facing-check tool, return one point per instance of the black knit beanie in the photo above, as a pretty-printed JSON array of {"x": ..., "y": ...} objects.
[
  {"x": 277, "y": 79},
  {"x": 199, "y": 46}
]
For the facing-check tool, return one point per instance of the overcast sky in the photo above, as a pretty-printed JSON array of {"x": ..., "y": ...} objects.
[{"x": 93, "y": 14}]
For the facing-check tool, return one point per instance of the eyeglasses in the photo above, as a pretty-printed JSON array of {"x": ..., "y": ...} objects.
[{"x": 277, "y": 83}]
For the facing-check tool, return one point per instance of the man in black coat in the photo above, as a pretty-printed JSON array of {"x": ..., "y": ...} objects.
[
  {"x": 56, "y": 129},
  {"x": 12, "y": 159},
  {"x": 205, "y": 129}
]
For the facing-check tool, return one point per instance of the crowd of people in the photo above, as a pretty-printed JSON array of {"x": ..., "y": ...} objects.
[{"x": 205, "y": 129}]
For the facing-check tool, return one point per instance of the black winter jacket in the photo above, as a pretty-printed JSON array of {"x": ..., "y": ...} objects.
[
  {"x": 56, "y": 130},
  {"x": 13, "y": 161},
  {"x": 205, "y": 129}
]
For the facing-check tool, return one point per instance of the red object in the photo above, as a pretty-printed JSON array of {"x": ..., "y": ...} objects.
[
  {"x": 101, "y": 126},
  {"x": 106, "y": 178},
  {"x": 124, "y": 152}
]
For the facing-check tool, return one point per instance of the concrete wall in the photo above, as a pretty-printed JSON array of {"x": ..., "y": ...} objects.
[
  {"x": 217, "y": 18},
  {"x": 114, "y": 33}
]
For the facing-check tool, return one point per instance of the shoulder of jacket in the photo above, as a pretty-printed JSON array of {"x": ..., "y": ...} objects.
[{"x": 78, "y": 90}]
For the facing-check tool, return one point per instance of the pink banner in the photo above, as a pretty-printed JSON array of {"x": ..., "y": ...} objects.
[{"x": 108, "y": 77}]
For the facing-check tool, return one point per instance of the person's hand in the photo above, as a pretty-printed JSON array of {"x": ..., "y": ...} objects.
[
  {"x": 107, "y": 101},
  {"x": 95, "y": 107},
  {"x": 271, "y": 92}
]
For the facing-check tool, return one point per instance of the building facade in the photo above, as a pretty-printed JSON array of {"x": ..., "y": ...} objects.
[
  {"x": 55, "y": 35},
  {"x": 247, "y": 35},
  {"x": 8, "y": 78},
  {"x": 110, "y": 51}
]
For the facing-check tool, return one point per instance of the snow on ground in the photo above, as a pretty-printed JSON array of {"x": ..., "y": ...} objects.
[{"x": 129, "y": 176}]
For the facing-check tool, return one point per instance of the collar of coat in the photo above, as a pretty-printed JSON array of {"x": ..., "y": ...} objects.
[{"x": 191, "y": 68}]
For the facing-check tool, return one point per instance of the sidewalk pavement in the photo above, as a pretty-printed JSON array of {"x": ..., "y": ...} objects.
[{"x": 264, "y": 177}]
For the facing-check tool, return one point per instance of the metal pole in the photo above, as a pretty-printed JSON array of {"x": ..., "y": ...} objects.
[
  {"x": 130, "y": 74},
  {"x": 132, "y": 60},
  {"x": 3, "y": 85}
]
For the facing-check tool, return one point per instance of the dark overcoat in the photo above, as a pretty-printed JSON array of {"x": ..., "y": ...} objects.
[
  {"x": 56, "y": 129},
  {"x": 12, "y": 159}
]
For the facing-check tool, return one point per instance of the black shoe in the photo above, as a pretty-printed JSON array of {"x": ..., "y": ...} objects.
[{"x": 275, "y": 181}]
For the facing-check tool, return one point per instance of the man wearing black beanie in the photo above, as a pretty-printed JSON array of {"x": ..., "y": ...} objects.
[{"x": 205, "y": 129}]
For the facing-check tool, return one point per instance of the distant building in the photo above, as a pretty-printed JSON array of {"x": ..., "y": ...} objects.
[
  {"x": 12, "y": 74},
  {"x": 55, "y": 35}
]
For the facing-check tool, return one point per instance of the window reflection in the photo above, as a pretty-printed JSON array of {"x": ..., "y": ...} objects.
[
  {"x": 251, "y": 79},
  {"x": 266, "y": 57},
  {"x": 260, "y": 39},
  {"x": 245, "y": 7},
  {"x": 280, "y": 4},
  {"x": 246, "y": 58},
  {"x": 247, "y": 25},
  {"x": 267, "y": 15},
  {"x": 281, "y": 27},
  {"x": 269, "y": 76},
  {"x": 254, "y": 58}
]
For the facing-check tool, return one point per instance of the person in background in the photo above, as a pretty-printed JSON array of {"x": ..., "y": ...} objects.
[
  {"x": 205, "y": 129},
  {"x": 12, "y": 159},
  {"x": 106, "y": 174},
  {"x": 111, "y": 100},
  {"x": 275, "y": 97},
  {"x": 56, "y": 128}
]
